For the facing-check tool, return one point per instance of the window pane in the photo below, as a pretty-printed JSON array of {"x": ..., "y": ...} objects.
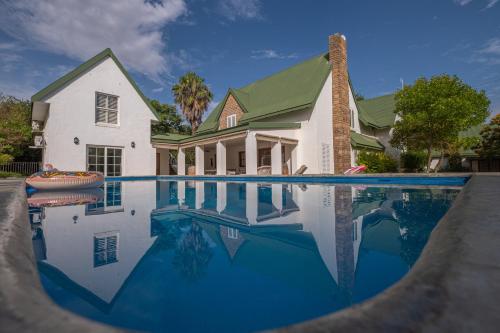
[
  {"x": 92, "y": 167},
  {"x": 112, "y": 102},
  {"x": 100, "y": 100},
  {"x": 100, "y": 116},
  {"x": 111, "y": 152},
  {"x": 118, "y": 152},
  {"x": 100, "y": 160},
  {"x": 110, "y": 160},
  {"x": 100, "y": 168},
  {"x": 112, "y": 117},
  {"x": 110, "y": 170},
  {"x": 100, "y": 151},
  {"x": 92, "y": 151}
]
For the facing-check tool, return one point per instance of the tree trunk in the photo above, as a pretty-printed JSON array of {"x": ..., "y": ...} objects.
[{"x": 429, "y": 158}]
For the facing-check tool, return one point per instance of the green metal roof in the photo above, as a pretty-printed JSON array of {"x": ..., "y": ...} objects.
[
  {"x": 360, "y": 141},
  {"x": 179, "y": 138},
  {"x": 293, "y": 89},
  {"x": 377, "y": 112},
  {"x": 86, "y": 66}
]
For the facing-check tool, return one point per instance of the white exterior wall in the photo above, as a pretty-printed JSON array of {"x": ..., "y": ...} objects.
[
  {"x": 70, "y": 245},
  {"x": 164, "y": 161},
  {"x": 316, "y": 129},
  {"x": 72, "y": 114}
]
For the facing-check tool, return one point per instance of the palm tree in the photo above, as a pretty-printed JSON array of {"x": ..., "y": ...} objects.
[{"x": 193, "y": 96}]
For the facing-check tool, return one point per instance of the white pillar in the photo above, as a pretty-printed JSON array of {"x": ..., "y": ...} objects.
[
  {"x": 181, "y": 192},
  {"x": 181, "y": 162},
  {"x": 251, "y": 154},
  {"x": 277, "y": 196},
  {"x": 252, "y": 203},
  {"x": 200, "y": 194},
  {"x": 199, "y": 161},
  {"x": 276, "y": 159},
  {"x": 221, "y": 196},
  {"x": 294, "y": 164},
  {"x": 221, "y": 158}
]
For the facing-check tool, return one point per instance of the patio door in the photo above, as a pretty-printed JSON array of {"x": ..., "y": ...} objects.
[{"x": 107, "y": 160}]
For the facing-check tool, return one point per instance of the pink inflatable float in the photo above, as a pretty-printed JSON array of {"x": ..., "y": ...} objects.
[
  {"x": 61, "y": 198},
  {"x": 65, "y": 180}
]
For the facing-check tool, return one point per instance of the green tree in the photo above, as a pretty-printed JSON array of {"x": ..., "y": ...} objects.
[
  {"x": 170, "y": 121},
  {"x": 15, "y": 127},
  {"x": 490, "y": 139},
  {"x": 193, "y": 96},
  {"x": 359, "y": 97},
  {"x": 433, "y": 111}
]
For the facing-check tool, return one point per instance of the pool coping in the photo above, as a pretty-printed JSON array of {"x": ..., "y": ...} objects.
[{"x": 452, "y": 286}]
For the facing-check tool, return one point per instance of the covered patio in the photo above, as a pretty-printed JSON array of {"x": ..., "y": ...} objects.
[{"x": 238, "y": 153}]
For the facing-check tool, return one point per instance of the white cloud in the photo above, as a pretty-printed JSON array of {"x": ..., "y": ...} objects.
[
  {"x": 246, "y": 9},
  {"x": 489, "y": 54},
  {"x": 462, "y": 2},
  {"x": 271, "y": 54},
  {"x": 81, "y": 29},
  {"x": 158, "y": 90},
  {"x": 489, "y": 3}
]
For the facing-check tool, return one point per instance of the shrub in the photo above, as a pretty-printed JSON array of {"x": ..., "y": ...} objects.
[
  {"x": 455, "y": 162},
  {"x": 4, "y": 174},
  {"x": 413, "y": 160},
  {"x": 377, "y": 162}
]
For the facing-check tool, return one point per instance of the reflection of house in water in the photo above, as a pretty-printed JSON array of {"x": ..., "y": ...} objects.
[
  {"x": 308, "y": 237},
  {"x": 96, "y": 246},
  {"x": 332, "y": 217}
]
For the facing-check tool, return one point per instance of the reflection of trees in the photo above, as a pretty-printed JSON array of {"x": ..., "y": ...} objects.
[
  {"x": 417, "y": 214},
  {"x": 192, "y": 254}
]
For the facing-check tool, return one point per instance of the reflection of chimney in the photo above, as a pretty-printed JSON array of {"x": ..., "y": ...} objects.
[
  {"x": 337, "y": 49},
  {"x": 344, "y": 239}
]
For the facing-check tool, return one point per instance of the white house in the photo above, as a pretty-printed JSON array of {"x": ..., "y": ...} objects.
[
  {"x": 304, "y": 115},
  {"x": 96, "y": 118}
]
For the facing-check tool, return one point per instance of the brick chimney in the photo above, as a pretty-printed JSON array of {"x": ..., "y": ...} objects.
[{"x": 337, "y": 49}]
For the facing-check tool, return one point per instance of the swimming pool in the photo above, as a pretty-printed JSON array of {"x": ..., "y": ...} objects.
[{"x": 189, "y": 255}]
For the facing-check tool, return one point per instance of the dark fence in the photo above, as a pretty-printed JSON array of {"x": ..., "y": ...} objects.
[{"x": 24, "y": 168}]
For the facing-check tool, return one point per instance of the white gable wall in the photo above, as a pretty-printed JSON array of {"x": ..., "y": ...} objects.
[
  {"x": 72, "y": 114},
  {"x": 316, "y": 130}
]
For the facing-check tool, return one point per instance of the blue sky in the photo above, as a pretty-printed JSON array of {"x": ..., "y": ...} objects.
[{"x": 234, "y": 42}]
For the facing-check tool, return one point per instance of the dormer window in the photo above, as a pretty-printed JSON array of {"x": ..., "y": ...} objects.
[
  {"x": 231, "y": 121},
  {"x": 106, "y": 109},
  {"x": 352, "y": 118}
]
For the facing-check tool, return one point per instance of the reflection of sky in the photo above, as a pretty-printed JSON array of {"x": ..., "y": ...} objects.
[{"x": 283, "y": 253}]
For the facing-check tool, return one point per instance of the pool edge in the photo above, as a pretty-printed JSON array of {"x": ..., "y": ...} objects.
[{"x": 440, "y": 293}]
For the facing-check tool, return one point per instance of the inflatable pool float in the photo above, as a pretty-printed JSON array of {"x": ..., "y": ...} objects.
[
  {"x": 65, "y": 180},
  {"x": 356, "y": 169},
  {"x": 65, "y": 198}
]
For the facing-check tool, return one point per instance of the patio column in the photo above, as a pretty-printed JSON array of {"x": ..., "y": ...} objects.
[
  {"x": 181, "y": 192},
  {"x": 277, "y": 196},
  {"x": 221, "y": 196},
  {"x": 251, "y": 154},
  {"x": 181, "y": 162},
  {"x": 199, "y": 194},
  {"x": 252, "y": 203},
  {"x": 276, "y": 161},
  {"x": 294, "y": 165},
  {"x": 221, "y": 158},
  {"x": 199, "y": 161}
]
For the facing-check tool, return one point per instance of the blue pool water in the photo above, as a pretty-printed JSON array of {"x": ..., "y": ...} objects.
[{"x": 191, "y": 256}]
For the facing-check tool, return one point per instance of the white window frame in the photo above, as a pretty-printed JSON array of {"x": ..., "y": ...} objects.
[
  {"x": 106, "y": 109},
  {"x": 231, "y": 121},
  {"x": 233, "y": 233},
  {"x": 106, "y": 237},
  {"x": 105, "y": 158}
]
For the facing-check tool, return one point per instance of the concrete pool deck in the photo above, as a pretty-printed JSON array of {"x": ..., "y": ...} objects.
[{"x": 453, "y": 287}]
